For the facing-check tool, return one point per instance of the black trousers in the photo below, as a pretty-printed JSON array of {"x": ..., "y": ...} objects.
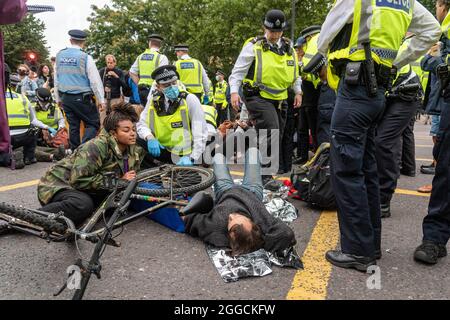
[
  {"x": 287, "y": 142},
  {"x": 28, "y": 141},
  {"x": 79, "y": 109},
  {"x": 396, "y": 118},
  {"x": 436, "y": 225},
  {"x": 354, "y": 174},
  {"x": 325, "y": 109},
  {"x": 144, "y": 91},
  {"x": 269, "y": 115},
  {"x": 149, "y": 161},
  {"x": 222, "y": 114},
  {"x": 307, "y": 124},
  {"x": 76, "y": 205},
  {"x": 408, "y": 161}
]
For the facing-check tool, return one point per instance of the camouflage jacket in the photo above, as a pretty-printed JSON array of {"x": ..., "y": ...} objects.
[{"x": 84, "y": 169}]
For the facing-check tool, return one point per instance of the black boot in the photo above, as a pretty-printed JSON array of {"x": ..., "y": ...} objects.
[
  {"x": 429, "y": 252},
  {"x": 348, "y": 261},
  {"x": 385, "y": 210}
]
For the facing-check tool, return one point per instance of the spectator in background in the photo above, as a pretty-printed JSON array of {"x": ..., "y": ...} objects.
[
  {"x": 45, "y": 77},
  {"x": 26, "y": 87},
  {"x": 113, "y": 80}
]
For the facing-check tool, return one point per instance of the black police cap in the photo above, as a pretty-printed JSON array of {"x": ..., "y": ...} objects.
[
  {"x": 165, "y": 74},
  {"x": 77, "y": 35},
  {"x": 220, "y": 72},
  {"x": 275, "y": 20},
  {"x": 155, "y": 36},
  {"x": 310, "y": 31},
  {"x": 43, "y": 94},
  {"x": 181, "y": 47}
]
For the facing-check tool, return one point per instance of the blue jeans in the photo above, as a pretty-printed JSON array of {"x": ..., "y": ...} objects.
[{"x": 252, "y": 178}]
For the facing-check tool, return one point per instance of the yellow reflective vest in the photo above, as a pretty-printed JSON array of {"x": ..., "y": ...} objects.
[
  {"x": 220, "y": 96},
  {"x": 210, "y": 115},
  {"x": 148, "y": 62},
  {"x": 191, "y": 71},
  {"x": 49, "y": 118},
  {"x": 310, "y": 49},
  {"x": 173, "y": 131},
  {"x": 383, "y": 23},
  {"x": 274, "y": 73},
  {"x": 18, "y": 113}
]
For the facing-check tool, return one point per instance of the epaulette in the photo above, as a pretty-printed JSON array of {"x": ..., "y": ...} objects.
[
  {"x": 258, "y": 38},
  {"x": 184, "y": 94}
]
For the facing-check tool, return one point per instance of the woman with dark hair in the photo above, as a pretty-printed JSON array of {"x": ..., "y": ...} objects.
[
  {"x": 45, "y": 78},
  {"x": 75, "y": 184}
]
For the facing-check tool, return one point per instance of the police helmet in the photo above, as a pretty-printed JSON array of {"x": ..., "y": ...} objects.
[{"x": 275, "y": 20}]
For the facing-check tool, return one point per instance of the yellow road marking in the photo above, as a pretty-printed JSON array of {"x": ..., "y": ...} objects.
[
  {"x": 424, "y": 146},
  {"x": 19, "y": 185},
  {"x": 412, "y": 193},
  {"x": 311, "y": 283}
]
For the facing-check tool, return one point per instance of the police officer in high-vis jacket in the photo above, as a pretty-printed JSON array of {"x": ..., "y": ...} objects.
[
  {"x": 220, "y": 97},
  {"x": 172, "y": 127},
  {"x": 142, "y": 69},
  {"x": 436, "y": 225},
  {"x": 355, "y": 34},
  {"x": 266, "y": 67},
  {"x": 76, "y": 82},
  {"x": 192, "y": 74}
]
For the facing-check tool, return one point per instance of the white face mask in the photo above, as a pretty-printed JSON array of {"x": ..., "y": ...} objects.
[{"x": 218, "y": 78}]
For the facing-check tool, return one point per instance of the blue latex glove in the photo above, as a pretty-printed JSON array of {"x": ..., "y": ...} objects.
[
  {"x": 185, "y": 162},
  {"x": 205, "y": 100},
  {"x": 52, "y": 131},
  {"x": 154, "y": 147}
]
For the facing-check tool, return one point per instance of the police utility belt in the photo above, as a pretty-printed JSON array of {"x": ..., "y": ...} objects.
[
  {"x": 87, "y": 97},
  {"x": 368, "y": 73}
]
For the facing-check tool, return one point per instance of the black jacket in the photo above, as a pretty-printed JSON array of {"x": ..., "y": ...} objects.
[{"x": 212, "y": 227}]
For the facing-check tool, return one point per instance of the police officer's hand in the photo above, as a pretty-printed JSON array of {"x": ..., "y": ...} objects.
[
  {"x": 235, "y": 101},
  {"x": 185, "y": 162},
  {"x": 52, "y": 131},
  {"x": 154, "y": 147},
  {"x": 298, "y": 100}
]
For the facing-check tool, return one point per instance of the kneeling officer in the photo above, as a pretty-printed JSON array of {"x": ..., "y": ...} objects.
[{"x": 172, "y": 126}]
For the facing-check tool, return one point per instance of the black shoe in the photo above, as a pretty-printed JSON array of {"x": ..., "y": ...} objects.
[
  {"x": 432, "y": 165},
  {"x": 18, "y": 159},
  {"x": 429, "y": 170},
  {"x": 267, "y": 179},
  {"x": 30, "y": 161},
  {"x": 348, "y": 261},
  {"x": 429, "y": 252},
  {"x": 4, "y": 227},
  {"x": 385, "y": 211},
  {"x": 407, "y": 173}
]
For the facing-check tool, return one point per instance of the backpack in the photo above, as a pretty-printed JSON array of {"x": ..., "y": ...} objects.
[{"x": 312, "y": 180}]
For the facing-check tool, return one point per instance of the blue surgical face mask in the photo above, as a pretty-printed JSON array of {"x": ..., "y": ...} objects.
[{"x": 172, "y": 92}]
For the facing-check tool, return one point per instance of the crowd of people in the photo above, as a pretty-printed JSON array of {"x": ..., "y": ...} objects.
[{"x": 353, "y": 83}]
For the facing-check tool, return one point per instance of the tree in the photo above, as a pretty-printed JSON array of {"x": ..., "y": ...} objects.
[
  {"x": 23, "y": 38},
  {"x": 214, "y": 29},
  {"x": 430, "y": 5}
]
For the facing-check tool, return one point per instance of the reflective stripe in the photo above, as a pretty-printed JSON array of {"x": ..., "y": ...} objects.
[
  {"x": 17, "y": 116},
  {"x": 186, "y": 131},
  {"x": 309, "y": 56},
  {"x": 152, "y": 121},
  {"x": 145, "y": 77},
  {"x": 382, "y": 53},
  {"x": 192, "y": 85},
  {"x": 158, "y": 58},
  {"x": 365, "y": 22},
  {"x": 259, "y": 75}
]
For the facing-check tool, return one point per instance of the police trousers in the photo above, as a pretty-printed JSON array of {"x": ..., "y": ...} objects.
[
  {"x": 408, "y": 161},
  {"x": 354, "y": 173},
  {"x": 325, "y": 109},
  {"x": 436, "y": 225},
  {"x": 76, "y": 110},
  {"x": 396, "y": 118},
  {"x": 269, "y": 115}
]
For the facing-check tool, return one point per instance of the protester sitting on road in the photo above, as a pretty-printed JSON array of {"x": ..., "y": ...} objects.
[
  {"x": 239, "y": 220},
  {"x": 75, "y": 184},
  {"x": 172, "y": 127}
]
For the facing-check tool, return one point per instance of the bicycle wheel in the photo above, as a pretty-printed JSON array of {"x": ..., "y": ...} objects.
[
  {"x": 187, "y": 180},
  {"x": 24, "y": 214}
]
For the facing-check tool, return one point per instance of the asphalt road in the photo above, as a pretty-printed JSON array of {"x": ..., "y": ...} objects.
[{"x": 155, "y": 263}]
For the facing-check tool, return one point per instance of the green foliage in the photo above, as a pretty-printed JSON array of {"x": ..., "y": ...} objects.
[
  {"x": 23, "y": 37},
  {"x": 430, "y": 5},
  {"x": 214, "y": 29}
]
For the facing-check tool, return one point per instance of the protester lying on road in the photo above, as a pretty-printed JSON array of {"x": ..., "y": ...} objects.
[
  {"x": 75, "y": 184},
  {"x": 239, "y": 220}
]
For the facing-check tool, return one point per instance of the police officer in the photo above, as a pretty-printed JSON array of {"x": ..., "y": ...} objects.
[
  {"x": 360, "y": 103},
  {"x": 76, "y": 82},
  {"x": 436, "y": 225},
  {"x": 311, "y": 84},
  {"x": 220, "y": 98},
  {"x": 142, "y": 69},
  {"x": 172, "y": 127},
  {"x": 401, "y": 106},
  {"x": 267, "y": 66},
  {"x": 192, "y": 73}
]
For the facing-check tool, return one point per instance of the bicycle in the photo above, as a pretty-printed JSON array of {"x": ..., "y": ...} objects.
[{"x": 169, "y": 182}]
